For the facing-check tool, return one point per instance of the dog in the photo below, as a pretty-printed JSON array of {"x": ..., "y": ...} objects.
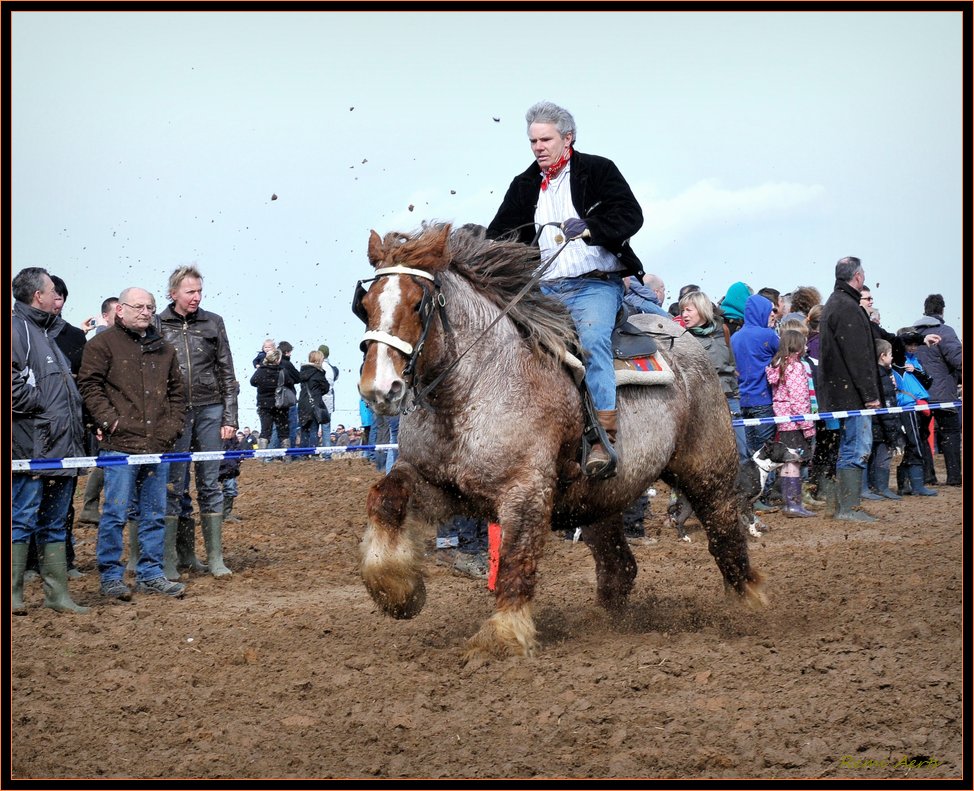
[{"x": 752, "y": 475}]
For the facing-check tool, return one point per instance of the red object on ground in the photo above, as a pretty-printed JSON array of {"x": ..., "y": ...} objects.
[{"x": 493, "y": 553}]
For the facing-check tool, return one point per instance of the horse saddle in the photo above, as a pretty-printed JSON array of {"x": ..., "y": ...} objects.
[{"x": 638, "y": 360}]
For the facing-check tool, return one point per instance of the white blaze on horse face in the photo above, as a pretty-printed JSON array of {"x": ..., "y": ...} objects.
[{"x": 386, "y": 377}]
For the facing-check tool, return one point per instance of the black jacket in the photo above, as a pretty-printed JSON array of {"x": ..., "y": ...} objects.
[
  {"x": 265, "y": 380},
  {"x": 203, "y": 351},
  {"x": 45, "y": 401},
  {"x": 314, "y": 385},
  {"x": 600, "y": 195},
  {"x": 847, "y": 371}
]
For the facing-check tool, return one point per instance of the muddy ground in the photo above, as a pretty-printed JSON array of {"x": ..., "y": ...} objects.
[{"x": 289, "y": 671}]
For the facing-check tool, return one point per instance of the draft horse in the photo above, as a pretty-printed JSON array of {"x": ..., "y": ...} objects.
[{"x": 491, "y": 426}]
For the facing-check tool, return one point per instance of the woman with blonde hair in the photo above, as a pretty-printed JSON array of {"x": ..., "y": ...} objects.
[{"x": 312, "y": 412}]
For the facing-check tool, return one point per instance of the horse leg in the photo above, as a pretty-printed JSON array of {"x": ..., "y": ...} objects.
[
  {"x": 524, "y": 513},
  {"x": 391, "y": 557},
  {"x": 615, "y": 565},
  {"x": 717, "y": 507}
]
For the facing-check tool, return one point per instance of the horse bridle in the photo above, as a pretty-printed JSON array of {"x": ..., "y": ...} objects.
[
  {"x": 431, "y": 297},
  {"x": 425, "y": 309}
]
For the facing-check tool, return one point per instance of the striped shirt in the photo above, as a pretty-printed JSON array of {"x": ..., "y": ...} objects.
[{"x": 555, "y": 205}]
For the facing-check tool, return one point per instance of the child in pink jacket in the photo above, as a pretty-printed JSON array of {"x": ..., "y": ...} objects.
[{"x": 791, "y": 396}]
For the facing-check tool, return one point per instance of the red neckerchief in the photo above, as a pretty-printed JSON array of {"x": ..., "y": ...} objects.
[{"x": 555, "y": 169}]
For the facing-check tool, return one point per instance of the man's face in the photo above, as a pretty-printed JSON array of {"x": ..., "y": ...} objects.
[
  {"x": 137, "y": 310},
  {"x": 47, "y": 298},
  {"x": 547, "y": 144},
  {"x": 187, "y": 295}
]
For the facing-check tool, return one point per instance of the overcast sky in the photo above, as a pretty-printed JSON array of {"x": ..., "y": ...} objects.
[{"x": 762, "y": 146}]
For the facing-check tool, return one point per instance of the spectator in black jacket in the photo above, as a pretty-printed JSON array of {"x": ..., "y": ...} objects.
[
  {"x": 312, "y": 412},
  {"x": 265, "y": 379}
]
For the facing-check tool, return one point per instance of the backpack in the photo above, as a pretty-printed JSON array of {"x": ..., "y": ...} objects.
[{"x": 284, "y": 396}]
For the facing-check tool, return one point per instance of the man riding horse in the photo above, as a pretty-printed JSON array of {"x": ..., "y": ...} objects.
[{"x": 590, "y": 199}]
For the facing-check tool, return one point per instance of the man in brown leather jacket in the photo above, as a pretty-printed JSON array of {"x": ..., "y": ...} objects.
[{"x": 203, "y": 352}]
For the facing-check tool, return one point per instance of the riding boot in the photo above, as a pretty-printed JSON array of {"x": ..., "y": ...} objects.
[
  {"x": 54, "y": 571},
  {"x": 599, "y": 461},
  {"x": 213, "y": 538},
  {"x": 93, "y": 486},
  {"x": 186, "y": 546},
  {"x": 18, "y": 562},
  {"x": 132, "y": 527},
  {"x": 169, "y": 566},
  {"x": 916, "y": 481},
  {"x": 828, "y": 491},
  {"x": 903, "y": 487},
  {"x": 791, "y": 490},
  {"x": 849, "y": 489},
  {"x": 867, "y": 479},
  {"x": 881, "y": 482}
]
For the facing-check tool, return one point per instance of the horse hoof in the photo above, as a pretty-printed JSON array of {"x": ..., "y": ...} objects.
[
  {"x": 403, "y": 603},
  {"x": 752, "y": 593},
  {"x": 505, "y": 633}
]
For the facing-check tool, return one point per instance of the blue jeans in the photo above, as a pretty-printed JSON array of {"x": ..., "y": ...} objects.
[
  {"x": 593, "y": 305},
  {"x": 740, "y": 435},
  {"x": 855, "y": 442},
  {"x": 470, "y": 533},
  {"x": 756, "y": 436},
  {"x": 292, "y": 425},
  {"x": 201, "y": 432},
  {"x": 229, "y": 487},
  {"x": 39, "y": 507},
  {"x": 138, "y": 487},
  {"x": 393, "y": 439}
]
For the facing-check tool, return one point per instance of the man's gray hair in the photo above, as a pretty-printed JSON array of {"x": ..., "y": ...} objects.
[
  {"x": 847, "y": 268},
  {"x": 27, "y": 282},
  {"x": 551, "y": 113}
]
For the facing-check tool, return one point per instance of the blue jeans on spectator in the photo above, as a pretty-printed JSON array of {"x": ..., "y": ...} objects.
[
  {"x": 855, "y": 442},
  {"x": 39, "y": 507},
  {"x": 229, "y": 487},
  {"x": 756, "y": 436},
  {"x": 292, "y": 425},
  {"x": 740, "y": 435},
  {"x": 132, "y": 487},
  {"x": 593, "y": 305},
  {"x": 391, "y": 454},
  {"x": 465, "y": 533},
  {"x": 201, "y": 432}
]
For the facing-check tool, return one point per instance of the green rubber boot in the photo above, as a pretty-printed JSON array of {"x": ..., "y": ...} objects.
[
  {"x": 186, "y": 546},
  {"x": 54, "y": 571},
  {"x": 213, "y": 538},
  {"x": 18, "y": 562},
  {"x": 169, "y": 566},
  {"x": 132, "y": 528},
  {"x": 827, "y": 491},
  {"x": 849, "y": 484}
]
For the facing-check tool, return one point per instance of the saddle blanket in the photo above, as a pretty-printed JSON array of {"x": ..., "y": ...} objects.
[{"x": 652, "y": 370}]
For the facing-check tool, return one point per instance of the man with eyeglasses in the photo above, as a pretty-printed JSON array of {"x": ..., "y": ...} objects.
[
  {"x": 133, "y": 389},
  {"x": 203, "y": 352}
]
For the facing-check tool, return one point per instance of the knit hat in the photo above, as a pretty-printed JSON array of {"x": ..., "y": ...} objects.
[
  {"x": 732, "y": 304},
  {"x": 324, "y": 350}
]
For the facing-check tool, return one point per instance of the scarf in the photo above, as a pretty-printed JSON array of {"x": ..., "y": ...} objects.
[{"x": 554, "y": 170}]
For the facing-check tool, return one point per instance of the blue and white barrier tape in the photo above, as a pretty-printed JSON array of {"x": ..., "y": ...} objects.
[
  {"x": 892, "y": 410},
  {"x": 23, "y": 465},
  {"x": 29, "y": 465}
]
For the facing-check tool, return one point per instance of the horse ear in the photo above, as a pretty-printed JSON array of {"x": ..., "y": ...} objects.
[{"x": 375, "y": 248}]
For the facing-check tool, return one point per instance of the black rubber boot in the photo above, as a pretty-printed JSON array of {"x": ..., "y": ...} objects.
[
  {"x": 169, "y": 565},
  {"x": 916, "y": 481},
  {"x": 881, "y": 482}
]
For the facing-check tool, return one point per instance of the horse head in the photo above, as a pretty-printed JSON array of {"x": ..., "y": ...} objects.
[{"x": 397, "y": 309}]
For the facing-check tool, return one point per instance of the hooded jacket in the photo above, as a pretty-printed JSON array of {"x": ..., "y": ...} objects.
[
  {"x": 314, "y": 386},
  {"x": 943, "y": 363},
  {"x": 45, "y": 401},
  {"x": 847, "y": 372},
  {"x": 732, "y": 305},
  {"x": 203, "y": 351},
  {"x": 133, "y": 389},
  {"x": 265, "y": 380},
  {"x": 600, "y": 195},
  {"x": 754, "y": 345}
]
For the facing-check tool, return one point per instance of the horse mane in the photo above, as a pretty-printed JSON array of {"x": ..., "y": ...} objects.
[{"x": 497, "y": 269}]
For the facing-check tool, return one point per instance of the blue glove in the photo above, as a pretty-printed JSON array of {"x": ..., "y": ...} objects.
[{"x": 575, "y": 227}]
